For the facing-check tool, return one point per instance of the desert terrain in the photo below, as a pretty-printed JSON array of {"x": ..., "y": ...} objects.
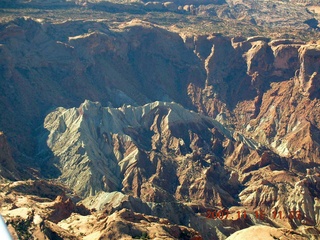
[{"x": 196, "y": 119}]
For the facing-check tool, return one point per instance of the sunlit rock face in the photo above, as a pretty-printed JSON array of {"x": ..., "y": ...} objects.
[
  {"x": 309, "y": 79},
  {"x": 236, "y": 80},
  {"x": 161, "y": 154},
  {"x": 278, "y": 101},
  {"x": 147, "y": 151},
  {"x": 135, "y": 143}
]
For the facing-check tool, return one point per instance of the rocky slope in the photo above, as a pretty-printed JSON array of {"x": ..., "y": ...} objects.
[
  {"x": 122, "y": 148},
  {"x": 41, "y": 210},
  {"x": 251, "y": 142},
  {"x": 210, "y": 73},
  {"x": 161, "y": 152}
]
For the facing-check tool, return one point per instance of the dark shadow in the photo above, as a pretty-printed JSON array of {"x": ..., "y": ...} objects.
[{"x": 45, "y": 158}]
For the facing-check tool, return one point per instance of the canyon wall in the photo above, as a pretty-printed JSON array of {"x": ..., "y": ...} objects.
[{"x": 162, "y": 123}]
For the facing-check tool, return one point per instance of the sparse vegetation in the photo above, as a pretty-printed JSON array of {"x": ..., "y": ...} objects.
[
  {"x": 143, "y": 236},
  {"x": 22, "y": 228},
  {"x": 177, "y": 21}
]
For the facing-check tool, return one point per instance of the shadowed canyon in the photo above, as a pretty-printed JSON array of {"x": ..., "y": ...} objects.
[{"x": 136, "y": 131}]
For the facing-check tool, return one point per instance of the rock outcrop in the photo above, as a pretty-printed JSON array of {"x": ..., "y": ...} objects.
[
  {"x": 246, "y": 145},
  {"x": 32, "y": 216},
  {"x": 265, "y": 232},
  {"x": 215, "y": 75},
  {"x": 114, "y": 149},
  {"x": 309, "y": 71}
]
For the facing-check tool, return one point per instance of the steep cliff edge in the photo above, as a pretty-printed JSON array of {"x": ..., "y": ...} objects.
[
  {"x": 250, "y": 143},
  {"x": 274, "y": 100},
  {"x": 140, "y": 63}
]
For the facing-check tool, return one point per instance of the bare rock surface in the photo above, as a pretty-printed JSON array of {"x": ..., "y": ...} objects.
[
  {"x": 265, "y": 232},
  {"x": 175, "y": 125},
  {"x": 112, "y": 149}
]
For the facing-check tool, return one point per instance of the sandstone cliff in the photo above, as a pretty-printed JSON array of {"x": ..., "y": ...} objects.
[
  {"x": 174, "y": 125},
  {"x": 140, "y": 63}
]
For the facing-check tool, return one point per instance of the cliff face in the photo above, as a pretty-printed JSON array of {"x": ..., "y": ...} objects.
[
  {"x": 180, "y": 163},
  {"x": 49, "y": 65},
  {"x": 8, "y": 168},
  {"x": 308, "y": 74},
  {"x": 45, "y": 66},
  {"x": 253, "y": 132},
  {"x": 273, "y": 100}
]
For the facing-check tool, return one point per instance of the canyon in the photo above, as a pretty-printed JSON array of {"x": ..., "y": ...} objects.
[{"x": 136, "y": 131}]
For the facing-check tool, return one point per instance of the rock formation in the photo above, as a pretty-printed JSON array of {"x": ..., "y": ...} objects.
[{"x": 143, "y": 132}]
